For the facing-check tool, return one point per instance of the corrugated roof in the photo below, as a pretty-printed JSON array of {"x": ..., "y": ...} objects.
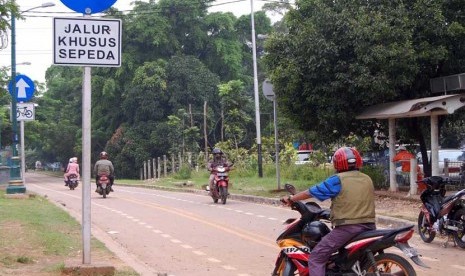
[{"x": 439, "y": 105}]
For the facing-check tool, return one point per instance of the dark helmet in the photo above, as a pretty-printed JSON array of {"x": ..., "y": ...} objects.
[
  {"x": 313, "y": 232},
  {"x": 103, "y": 155},
  {"x": 347, "y": 159},
  {"x": 217, "y": 151}
]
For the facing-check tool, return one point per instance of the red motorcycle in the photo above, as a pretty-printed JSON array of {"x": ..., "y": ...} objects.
[
  {"x": 362, "y": 255},
  {"x": 103, "y": 185},
  {"x": 220, "y": 183},
  {"x": 441, "y": 214}
]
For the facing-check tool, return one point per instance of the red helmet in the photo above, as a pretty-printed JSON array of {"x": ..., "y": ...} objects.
[{"x": 347, "y": 159}]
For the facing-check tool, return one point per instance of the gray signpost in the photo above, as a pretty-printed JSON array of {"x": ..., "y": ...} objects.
[
  {"x": 268, "y": 92},
  {"x": 66, "y": 52}
]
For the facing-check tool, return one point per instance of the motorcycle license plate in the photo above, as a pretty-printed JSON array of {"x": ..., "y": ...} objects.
[
  {"x": 104, "y": 185},
  {"x": 222, "y": 174}
]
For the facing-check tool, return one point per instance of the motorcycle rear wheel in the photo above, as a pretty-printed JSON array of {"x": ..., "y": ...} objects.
[
  {"x": 393, "y": 264},
  {"x": 425, "y": 231},
  {"x": 459, "y": 236},
  {"x": 223, "y": 194}
]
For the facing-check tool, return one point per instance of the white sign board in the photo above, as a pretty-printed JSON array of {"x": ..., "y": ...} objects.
[
  {"x": 87, "y": 42},
  {"x": 25, "y": 112}
]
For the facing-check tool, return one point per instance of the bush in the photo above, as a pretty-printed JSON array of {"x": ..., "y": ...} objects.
[
  {"x": 183, "y": 173},
  {"x": 377, "y": 176}
]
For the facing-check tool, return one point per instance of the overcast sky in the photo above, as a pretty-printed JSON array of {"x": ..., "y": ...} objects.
[{"x": 34, "y": 35}]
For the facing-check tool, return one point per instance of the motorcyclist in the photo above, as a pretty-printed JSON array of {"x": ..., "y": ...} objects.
[
  {"x": 104, "y": 166},
  {"x": 72, "y": 168},
  {"x": 352, "y": 207},
  {"x": 218, "y": 160}
]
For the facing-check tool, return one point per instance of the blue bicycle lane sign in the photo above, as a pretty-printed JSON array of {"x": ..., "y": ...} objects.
[
  {"x": 88, "y": 6},
  {"x": 23, "y": 88}
]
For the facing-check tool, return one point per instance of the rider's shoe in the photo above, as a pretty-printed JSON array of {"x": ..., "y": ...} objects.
[
  {"x": 66, "y": 183},
  {"x": 111, "y": 189}
]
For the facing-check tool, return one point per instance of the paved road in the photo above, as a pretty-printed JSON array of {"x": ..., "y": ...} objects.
[{"x": 186, "y": 234}]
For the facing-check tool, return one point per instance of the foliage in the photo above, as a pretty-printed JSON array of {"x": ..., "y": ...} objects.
[
  {"x": 175, "y": 57},
  {"x": 7, "y": 8},
  {"x": 183, "y": 173},
  {"x": 339, "y": 57},
  {"x": 377, "y": 176}
]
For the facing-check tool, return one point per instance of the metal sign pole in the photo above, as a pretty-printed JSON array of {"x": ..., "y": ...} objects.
[
  {"x": 23, "y": 155},
  {"x": 86, "y": 164}
]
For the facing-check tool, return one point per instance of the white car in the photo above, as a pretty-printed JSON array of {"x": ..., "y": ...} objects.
[
  {"x": 303, "y": 157},
  {"x": 455, "y": 156}
]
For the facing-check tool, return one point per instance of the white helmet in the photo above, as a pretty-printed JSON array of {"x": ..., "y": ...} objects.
[{"x": 71, "y": 160}]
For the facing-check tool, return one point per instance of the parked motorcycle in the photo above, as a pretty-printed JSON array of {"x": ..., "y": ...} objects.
[
  {"x": 72, "y": 181},
  {"x": 441, "y": 214},
  {"x": 103, "y": 185},
  {"x": 220, "y": 183},
  {"x": 362, "y": 255}
]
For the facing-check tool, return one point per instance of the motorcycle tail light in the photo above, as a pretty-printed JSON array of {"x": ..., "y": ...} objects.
[{"x": 404, "y": 236}]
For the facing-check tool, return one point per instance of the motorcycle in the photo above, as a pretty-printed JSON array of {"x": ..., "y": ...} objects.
[
  {"x": 72, "y": 181},
  {"x": 440, "y": 214},
  {"x": 220, "y": 183},
  {"x": 103, "y": 185},
  {"x": 362, "y": 255}
]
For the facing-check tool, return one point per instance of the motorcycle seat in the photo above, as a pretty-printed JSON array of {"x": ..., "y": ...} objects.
[{"x": 379, "y": 233}]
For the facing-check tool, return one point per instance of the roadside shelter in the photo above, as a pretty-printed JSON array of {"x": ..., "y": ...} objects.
[{"x": 431, "y": 107}]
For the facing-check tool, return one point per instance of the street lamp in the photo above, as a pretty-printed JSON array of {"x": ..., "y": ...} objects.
[
  {"x": 255, "y": 87},
  {"x": 16, "y": 184}
]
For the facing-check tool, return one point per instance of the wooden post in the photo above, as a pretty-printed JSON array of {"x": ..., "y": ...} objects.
[
  {"x": 154, "y": 168},
  {"x": 149, "y": 169},
  {"x": 205, "y": 130},
  {"x": 158, "y": 167},
  {"x": 173, "y": 164},
  {"x": 180, "y": 160},
  {"x": 189, "y": 159},
  {"x": 145, "y": 169},
  {"x": 164, "y": 165}
]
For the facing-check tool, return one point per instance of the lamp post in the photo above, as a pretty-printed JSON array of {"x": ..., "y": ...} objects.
[
  {"x": 255, "y": 87},
  {"x": 16, "y": 184}
]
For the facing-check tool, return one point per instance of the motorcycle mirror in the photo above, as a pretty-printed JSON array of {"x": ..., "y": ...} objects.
[{"x": 290, "y": 188}]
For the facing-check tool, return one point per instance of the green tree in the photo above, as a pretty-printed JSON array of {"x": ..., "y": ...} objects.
[
  {"x": 7, "y": 8},
  {"x": 236, "y": 109},
  {"x": 339, "y": 57}
]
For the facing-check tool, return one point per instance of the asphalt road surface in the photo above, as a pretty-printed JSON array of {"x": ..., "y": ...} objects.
[{"x": 187, "y": 234}]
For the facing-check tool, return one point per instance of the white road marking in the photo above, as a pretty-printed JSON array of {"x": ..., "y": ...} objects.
[
  {"x": 459, "y": 267},
  {"x": 228, "y": 267},
  {"x": 175, "y": 241},
  {"x": 166, "y": 235},
  {"x": 200, "y": 253},
  {"x": 186, "y": 246},
  {"x": 213, "y": 260}
]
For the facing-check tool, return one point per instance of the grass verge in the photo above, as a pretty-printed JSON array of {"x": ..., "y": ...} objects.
[{"x": 37, "y": 238}]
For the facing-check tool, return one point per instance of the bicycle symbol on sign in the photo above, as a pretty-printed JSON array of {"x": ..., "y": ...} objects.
[{"x": 23, "y": 112}]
